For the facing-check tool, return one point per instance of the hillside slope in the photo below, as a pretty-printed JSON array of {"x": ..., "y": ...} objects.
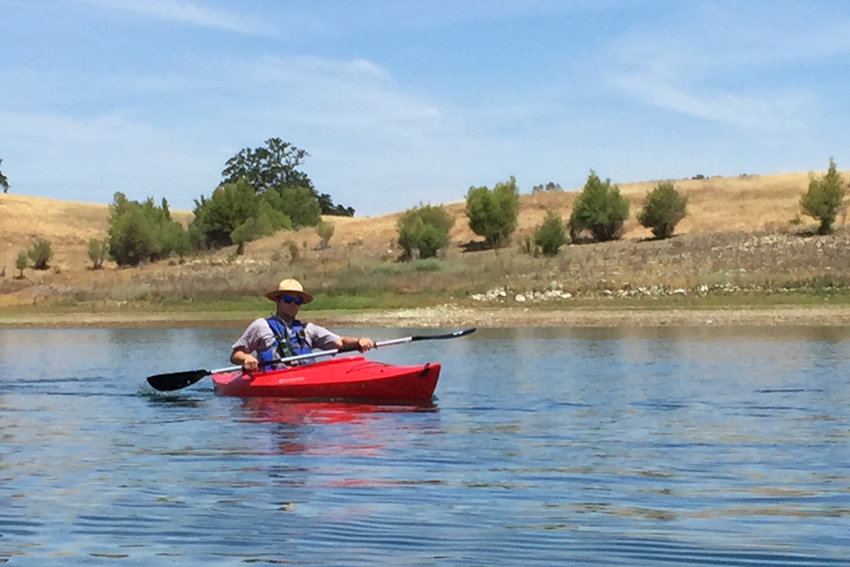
[
  {"x": 723, "y": 212},
  {"x": 717, "y": 204}
]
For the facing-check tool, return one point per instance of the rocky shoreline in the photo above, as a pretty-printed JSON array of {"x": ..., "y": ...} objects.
[
  {"x": 450, "y": 316},
  {"x": 457, "y": 316}
]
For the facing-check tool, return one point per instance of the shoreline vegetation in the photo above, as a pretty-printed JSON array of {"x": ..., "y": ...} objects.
[{"x": 742, "y": 256}]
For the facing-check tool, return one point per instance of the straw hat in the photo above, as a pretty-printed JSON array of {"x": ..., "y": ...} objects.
[{"x": 290, "y": 287}]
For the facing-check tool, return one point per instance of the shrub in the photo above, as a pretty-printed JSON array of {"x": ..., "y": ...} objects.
[
  {"x": 21, "y": 262},
  {"x": 548, "y": 187},
  {"x": 229, "y": 206},
  {"x": 427, "y": 265},
  {"x": 4, "y": 182},
  {"x": 131, "y": 238},
  {"x": 39, "y": 252},
  {"x": 528, "y": 246},
  {"x": 424, "y": 229},
  {"x": 252, "y": 229},
  {"x": 663, "y": 208},
  {"x": 493, "y": 214},
  {"x": 294, "y": 253},
  {"x": 300, "y": 205},
  {"x": 599, "y": 208},
  {"x": 236, "y": 214},
  {"x": 97, "y": 252},
  {"x": 550, "y": 234},
  {"x": 824, "y": 198},
  {"x": 140, "y": 232},
  {"x": 325, "y": 230}
]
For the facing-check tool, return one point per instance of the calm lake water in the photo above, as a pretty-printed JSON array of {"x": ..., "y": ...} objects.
[{"x": 543, "y": 447}]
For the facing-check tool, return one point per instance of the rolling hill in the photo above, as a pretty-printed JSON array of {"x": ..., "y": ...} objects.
[{"x": 736, "y": 206}]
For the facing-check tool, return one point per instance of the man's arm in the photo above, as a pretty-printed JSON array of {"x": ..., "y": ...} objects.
[
  {"x": 321, "y": 338},
  {"x": 244, "y": 358},
  {"x": 256, "y": 337},
  {"x": 354, "y": 343}
]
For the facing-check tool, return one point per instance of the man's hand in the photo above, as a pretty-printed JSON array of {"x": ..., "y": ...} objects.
[{"x": 248, "y": 361}]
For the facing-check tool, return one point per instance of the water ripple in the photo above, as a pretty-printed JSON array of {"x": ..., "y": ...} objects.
[{"x": 590, "y": 449}]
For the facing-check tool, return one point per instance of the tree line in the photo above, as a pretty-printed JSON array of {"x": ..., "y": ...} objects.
[
  {"x": 263, "y": 191},
  {"x": 599, "y": 213}
]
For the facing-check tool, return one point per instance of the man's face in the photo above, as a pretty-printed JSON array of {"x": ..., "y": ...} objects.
[{"x": 288, "y": 305}]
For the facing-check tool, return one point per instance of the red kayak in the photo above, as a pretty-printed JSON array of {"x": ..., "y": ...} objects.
[{"x": 350, "y": 377}]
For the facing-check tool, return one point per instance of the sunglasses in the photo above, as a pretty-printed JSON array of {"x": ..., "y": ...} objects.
[{"x": 289, "y": 299}]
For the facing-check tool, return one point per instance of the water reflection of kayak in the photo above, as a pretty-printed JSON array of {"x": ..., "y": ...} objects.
[
  {"x": 351, "y": 377},
  {"x": 300, "y": 412},
  {"x": 360, "y": 428}
]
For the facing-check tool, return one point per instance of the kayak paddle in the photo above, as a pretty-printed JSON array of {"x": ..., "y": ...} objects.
[{"x": 180, "y": 380}]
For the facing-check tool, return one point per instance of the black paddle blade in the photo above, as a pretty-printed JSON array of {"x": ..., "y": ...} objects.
[{"x": 176, "y": 380}]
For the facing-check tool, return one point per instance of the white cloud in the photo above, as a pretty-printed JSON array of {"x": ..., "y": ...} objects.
[
  {"x": 727, "y": 66},
  {"x": 360, "y": 127},
  {"x": 330, "y": 94},
  {"x": 189, "y": 13},
  {"x": 724, "y": 79},
  {"x": 779, "y": 111}
]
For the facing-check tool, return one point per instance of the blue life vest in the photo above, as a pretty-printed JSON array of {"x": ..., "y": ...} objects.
[{"x": 289, "y": 341}]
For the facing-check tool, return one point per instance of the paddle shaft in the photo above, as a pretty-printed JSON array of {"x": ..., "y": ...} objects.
[
  {"x": 179, "y": 380},
  {"x": 333, "y": 352}
]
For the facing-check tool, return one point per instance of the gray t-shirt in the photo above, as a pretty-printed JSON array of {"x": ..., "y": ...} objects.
[{"x": 259, "y": 336}]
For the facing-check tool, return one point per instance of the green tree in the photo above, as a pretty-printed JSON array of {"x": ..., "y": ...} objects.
[
  {"x": 143, "y": 232},
  {"x": 599, "y": 208},
  {"x": 824, "y": 198},
  {"x": 97, "y": 252},
  {"x": 21, "y": 262},
  {"x": 325, "y": 230},
  {"x": 252, "y": 229},
  {"x": 39, "y": 252},
  {"x": 271, "y": 166},
  {"x": 300, "y": 205},
  {"x": 493, "y": 214},
  {"x": 4, "y": 182},
  {"x": 549, "y": 187},
  {"x": 275, "y": 166},
  {"x": 424, "y": 229},
  {"x": 267, "y": 222},
  {"x": 229, "y": 206},
  {"x": 663, "y": 208},
  {"x": 329, "y": 208},
  {"x": 550, "y": 234},
  {"x": 131, "y": 237}
]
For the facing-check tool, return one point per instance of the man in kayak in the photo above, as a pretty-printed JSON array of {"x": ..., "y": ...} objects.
[{"x": 282, "y": 335}]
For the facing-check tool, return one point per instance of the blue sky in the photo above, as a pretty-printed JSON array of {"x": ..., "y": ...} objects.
[{"x": 402, "y": 102}]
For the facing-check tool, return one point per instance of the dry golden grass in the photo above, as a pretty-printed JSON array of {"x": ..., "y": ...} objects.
[
  {"x": 68, "y": 225},
  {"x": 717, "y": 204},
  {"x": 711, "y": 239}
]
